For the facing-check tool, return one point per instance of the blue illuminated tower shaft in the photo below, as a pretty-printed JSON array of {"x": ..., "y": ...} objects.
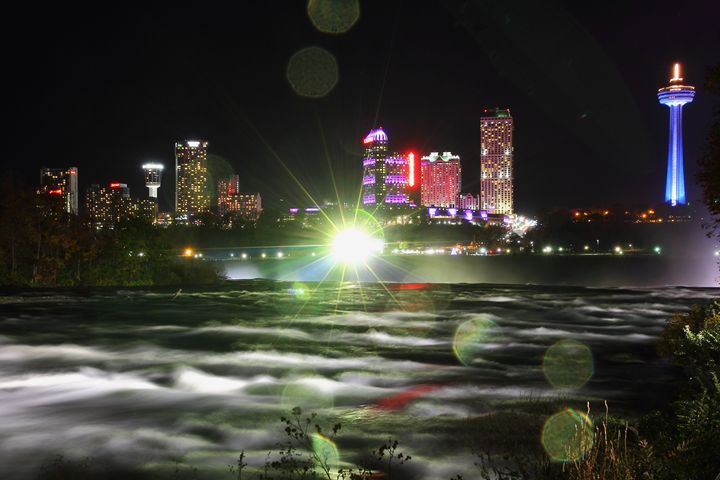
[
  {"x": 675, "y": 96},
  {"x": 675, "y": 183}
]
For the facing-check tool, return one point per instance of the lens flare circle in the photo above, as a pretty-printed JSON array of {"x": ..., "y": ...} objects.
[
  {"x": 308, "y": 394},
  {"x": 568, "y": 435},
  {"x": 312, "y": 72},
  {"x": 355, "y": 246},
  {"x": 470, "y": 338},
  {"x": 568, "y": 364},
  {"x": 325, "y": 450},
  {"x": 333, "y": 16}
]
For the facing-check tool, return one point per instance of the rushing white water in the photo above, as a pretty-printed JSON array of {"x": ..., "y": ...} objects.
[{"x": 135, "y": 379}]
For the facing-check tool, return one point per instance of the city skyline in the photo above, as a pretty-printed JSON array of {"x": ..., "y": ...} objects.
[{"x": 589, "y": 104}]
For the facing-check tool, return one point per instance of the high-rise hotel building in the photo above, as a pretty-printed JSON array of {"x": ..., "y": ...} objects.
[
  {"x": 61, "y": 184},
  {"x": 108, "y": 206},
  {"x": 384, "y": 176},
  {"x": 246, "y": 205},
  {"x": 496, "y": 161},
  {"x": 227, "y": 190},
  {"x": 191, "y": 176},
  {"x": 440, "y": 180}
]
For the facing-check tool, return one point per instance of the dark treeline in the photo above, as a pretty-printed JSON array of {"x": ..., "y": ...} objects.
[
  {"x": 42, "y": 246},
  {"x": 274, "y": 228}
]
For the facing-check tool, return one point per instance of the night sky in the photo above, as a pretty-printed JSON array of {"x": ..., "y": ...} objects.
[{"x": 107, "y": 90}]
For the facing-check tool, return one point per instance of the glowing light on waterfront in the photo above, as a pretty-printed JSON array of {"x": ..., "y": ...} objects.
[
  {"x": 567, "y": 435},
  {"x": 568, "y": 364},
  {"x": 188, "y": 252},
  {"x": 354, "y": 246}
]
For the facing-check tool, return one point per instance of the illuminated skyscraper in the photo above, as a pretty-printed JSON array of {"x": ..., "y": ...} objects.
[
  {"x": 98, "y": 204},
  {"x": 191, "y": 192},
  {"x": 61, "y": 183},
  {"x": 675, "y": 96},
  {"x": 153, "y": 174},
  {"x": 468, "y": 201},
  {"x": 244, "y": 205},
  {"x": 384, "y": 176},
  {"x": 227, "y": 189},
  {"x": 440, "y": 179},
  {"x": 108, "y": 206},
  {"x": 496, "y": 161},
  {"x": 247, "y": 205}
]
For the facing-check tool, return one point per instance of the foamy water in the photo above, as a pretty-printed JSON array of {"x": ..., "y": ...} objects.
[{"x": 136, "y": 379}]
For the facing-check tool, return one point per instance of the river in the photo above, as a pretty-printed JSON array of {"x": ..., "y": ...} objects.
[{"x": 140, "y": 379}]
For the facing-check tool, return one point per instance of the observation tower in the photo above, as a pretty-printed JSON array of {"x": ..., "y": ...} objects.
[
  {"x": 675, "y": 95},
  {"x": 153, "y": 173}
]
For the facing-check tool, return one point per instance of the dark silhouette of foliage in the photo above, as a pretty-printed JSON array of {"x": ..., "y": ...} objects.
[{"x": 709, "y": 176}]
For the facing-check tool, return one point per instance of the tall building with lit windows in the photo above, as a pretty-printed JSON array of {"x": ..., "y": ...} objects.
[
  {"x": 247, "y": 205},
  {"x": 384, "y": 175},
  {"x": 108, "y": 206},
  {"x": 61, "y": 185},
  {"x": 440, "y": 179},
  {"x": 496, "y": 161},
  {"x": 675, "y": 96},
  {"x": 191, "y": 176},
  {"x": 227, "y": 189}
]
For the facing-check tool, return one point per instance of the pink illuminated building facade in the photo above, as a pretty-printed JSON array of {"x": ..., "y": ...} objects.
[
  {"x": 384, "y": 175},
  {"x": 496, "y": 161},
  {"x": 440, "y": 179}
]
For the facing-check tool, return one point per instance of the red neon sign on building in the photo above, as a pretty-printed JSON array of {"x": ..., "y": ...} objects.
[{"x": 413, "y": 171}]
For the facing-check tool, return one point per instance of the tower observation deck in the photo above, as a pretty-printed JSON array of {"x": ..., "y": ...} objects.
[
  {"x": 153, "y": 175},
  {"x": 675, "y": 95}
]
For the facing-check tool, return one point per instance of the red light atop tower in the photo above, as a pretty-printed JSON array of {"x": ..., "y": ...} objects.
[{"x": 115, "y": 185}]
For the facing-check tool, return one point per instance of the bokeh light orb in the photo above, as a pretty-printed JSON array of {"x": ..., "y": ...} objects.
[
  {"x": 568, "y": 435},
  {"x": 333, "y": 16},
  {"x": 312, "y": 72},
  {"x": 470, "y": 338},
  {"x": 568, "y": 364},
  {"x": 325, "y": 450},
  {"x": 307, "y": 394}
]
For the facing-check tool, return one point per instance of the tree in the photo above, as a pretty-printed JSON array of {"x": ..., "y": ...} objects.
[{"x": 709, "y": 176}]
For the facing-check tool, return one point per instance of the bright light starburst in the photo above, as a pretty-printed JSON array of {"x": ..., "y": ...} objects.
[{"x": 355, "y": 246}]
